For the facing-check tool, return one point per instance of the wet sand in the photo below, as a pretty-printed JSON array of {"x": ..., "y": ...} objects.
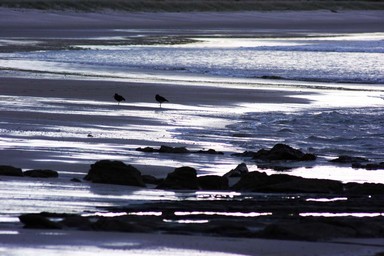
[{"x": 69, "y": 242}]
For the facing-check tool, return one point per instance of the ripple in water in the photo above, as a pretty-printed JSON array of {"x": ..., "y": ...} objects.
[{"x": 356, "y": 132}]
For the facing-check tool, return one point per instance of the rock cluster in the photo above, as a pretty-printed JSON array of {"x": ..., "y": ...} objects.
[
  {"x": 358, "y": 162},
  {"x": 280, "y": 183},
  {"x": 279, "y": 152},
  {"x": 369, "y": 166},
  {"x": 273, "y": 216},
  {"x": 349, "y": 159},
  {"x": 6, "y": 170},
  {"x": 185, "y": 178},
  {"x": 277, "y": 219},
  {"x": 178, "y": 150}
]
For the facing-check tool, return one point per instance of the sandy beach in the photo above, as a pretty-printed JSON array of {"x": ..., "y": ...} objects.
[{"x": 64, "y": 122}]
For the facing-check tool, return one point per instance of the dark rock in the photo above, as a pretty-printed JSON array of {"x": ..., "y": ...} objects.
[
  {"x": 178, "y": 150},
  {"x": 213, "y": 182},
  {"x": 250, "y": 181},
  {"x": 6, "y": 170},
  {"x": 280, "y": 168},
  {"x": 181, "y": 178},
  {"x": 210, "y": 152},
  {"x": 76, "y": 221},
  {"x": 173, "y": 150},
  {"x": 149, "y": 179},
  {"x": 245, "y": 154},
  {"x": 121, "y": 225},
  {"x": 238, "y": 171},
  {"x": 114, "y": 172},
  {"x": 302, "y": 185},
  {"x": 280, "y": 183},
  {"x": 306, "y": 230},
  {"x": 75, "y": 180},
  {"x": 165, "y": 149},
  {"x": 112, "y": 224},
  {"x": 364, "y": 189},
  {"x": 271, "y": 77},
  {"x": 283, "y": 152},
  {"x": 349, "y": 159},
  {"x": 41, "y": 173},
  {"x": 38, "y": 221},
  {"x": 370, "y": 166},
  {"x": 147, "y": 150},
  {"x": 308, "y": 157}
]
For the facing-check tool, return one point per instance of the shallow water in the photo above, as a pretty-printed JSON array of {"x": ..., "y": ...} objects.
[
  {"x": 353, "y": 58},
  {"x": 324, "y": 132}
]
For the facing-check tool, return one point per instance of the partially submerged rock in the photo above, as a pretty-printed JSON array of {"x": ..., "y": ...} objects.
[
  {"x": 181, "y": 178},
  {"x": 41, "y": 173},
  {"x": 209, "y": 152},
  {"x": 164, "y": 149},
  {"x": 213, "y": 182},
  {"x": 245, "y": 154},
  {"x": 369, "y": 166},
  {"x": 173, "y": 150},
  {"x": 114, "y": 172},
  {"x": 349, "y": 159},
  {"x": 279, "y": 152},
  {"x": 7, "y": 170},
  {"x": 178, "y": 150},
  {"x": 38, "y": 221},
  {"x": 238, "y": 171},
  {"x": 118, "y": 224},
  {"x": 283, "y": 152},
  {"x": 280, "y": 183},
  {"x": 149, "y": 179}
]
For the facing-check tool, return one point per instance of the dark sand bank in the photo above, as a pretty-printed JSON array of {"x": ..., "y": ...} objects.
[
  {"x": 193, "y": 5},
  {"x": 62, "y": 24}
]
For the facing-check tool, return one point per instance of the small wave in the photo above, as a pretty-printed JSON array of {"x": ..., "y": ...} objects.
[{"x": 327, "y": 132}]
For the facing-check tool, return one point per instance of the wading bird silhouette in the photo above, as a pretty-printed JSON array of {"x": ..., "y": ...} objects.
[
  {"x": 118, "y": 98},
  {"x": 160, "y": 99}
]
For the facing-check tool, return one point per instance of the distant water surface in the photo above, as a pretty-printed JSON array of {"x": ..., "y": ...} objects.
[{"x": 347, "y": 58}]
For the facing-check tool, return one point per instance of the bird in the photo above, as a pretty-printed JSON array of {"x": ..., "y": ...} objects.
[
  {"x": 160, "y": 99},
  {"x": 118, "y": 98}
]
